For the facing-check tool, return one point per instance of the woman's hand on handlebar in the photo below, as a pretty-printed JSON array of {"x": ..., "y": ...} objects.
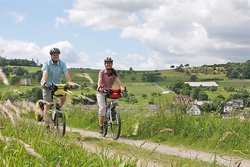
[{"x": 122, "y": 88}]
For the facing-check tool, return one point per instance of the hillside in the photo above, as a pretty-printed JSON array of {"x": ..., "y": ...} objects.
[
  {"x": 139, "y": 81},
  {"x": 147, "y": 113}
]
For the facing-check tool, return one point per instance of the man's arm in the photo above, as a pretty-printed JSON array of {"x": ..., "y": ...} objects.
[
  {"x": 44, "y": 78},
  {"x": 68, "y": 78}
]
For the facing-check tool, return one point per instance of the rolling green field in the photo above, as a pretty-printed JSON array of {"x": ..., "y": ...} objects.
[
  {"x": 133, "y": 81},
  {"x": 228, "y": 137}
]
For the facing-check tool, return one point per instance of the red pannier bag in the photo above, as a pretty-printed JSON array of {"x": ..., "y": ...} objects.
[{"x": 115, "y": 93}]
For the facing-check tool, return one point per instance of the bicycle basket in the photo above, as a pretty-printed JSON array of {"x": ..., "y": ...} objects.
[{"x": 115, "y": 93}]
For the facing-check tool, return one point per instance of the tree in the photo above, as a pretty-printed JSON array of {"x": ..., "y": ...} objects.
[
  {"x": 179, "y": 68},
  {"x": 3, "y": 61},
  {"x": 202, "y": 95},
  {"x": 193, "y": 77},
  {"x": 172, "y": 66},
  {"x": 20, "y": 71}
]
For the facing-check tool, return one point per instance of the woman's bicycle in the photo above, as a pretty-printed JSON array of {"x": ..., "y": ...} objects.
[
  {"x": 112, "y": 116},
  {"x": 58, "y": 117}
]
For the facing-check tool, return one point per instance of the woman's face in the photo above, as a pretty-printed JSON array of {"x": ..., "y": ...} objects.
[
  {"x": 108, "y": 65},
  {"x": 55, "y": 57}
]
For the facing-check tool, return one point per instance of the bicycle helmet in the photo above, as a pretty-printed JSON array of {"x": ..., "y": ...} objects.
[
  {"x": 108, "y": 59},
  {"x": 54, "y": 50}
]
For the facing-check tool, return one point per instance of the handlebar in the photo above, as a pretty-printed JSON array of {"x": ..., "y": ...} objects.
[
  {"x": 65, "y": 87},
  {"x": 60, "y": 89},
  {"x": 114, "y": 93}
]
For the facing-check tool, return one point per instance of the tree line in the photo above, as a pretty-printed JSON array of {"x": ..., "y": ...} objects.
[{"x": 18, "y": 62}]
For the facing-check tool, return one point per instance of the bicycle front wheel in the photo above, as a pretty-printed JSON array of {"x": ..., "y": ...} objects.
[
  {"x": 115, "y": 124},
  {"x": 60, "y": 123}
]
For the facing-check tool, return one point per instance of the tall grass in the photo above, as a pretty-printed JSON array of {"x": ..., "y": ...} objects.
[
  {"x": 208, "y": 132},
  {"x": 24, "y": 143}
]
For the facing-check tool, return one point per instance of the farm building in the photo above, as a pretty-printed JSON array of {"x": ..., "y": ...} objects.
[
  {"x": 202, "y": 84},
  {"x": 233, "y": 105}
]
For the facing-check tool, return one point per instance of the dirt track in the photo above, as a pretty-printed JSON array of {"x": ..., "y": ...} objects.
[{"x": 177, "y": 151}]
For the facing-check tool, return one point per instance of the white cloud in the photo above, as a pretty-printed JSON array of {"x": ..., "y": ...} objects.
[
  {"x": 193, "y": 31},
  {"x": 19, "y": 18},
  {"x": 13, "y": 49}
]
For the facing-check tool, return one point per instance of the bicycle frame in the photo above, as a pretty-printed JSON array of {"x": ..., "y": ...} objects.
[
  {"x": 57, "y": 116},
  {"x": 112, "y": 116}
]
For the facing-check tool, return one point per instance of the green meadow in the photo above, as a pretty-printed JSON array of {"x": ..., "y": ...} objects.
[{"x": 169, "y": 124}]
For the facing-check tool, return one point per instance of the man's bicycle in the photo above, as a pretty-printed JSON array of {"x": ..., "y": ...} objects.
[
  {"x": 58, "y": 117},
  {"x": 112, "y": 116}
]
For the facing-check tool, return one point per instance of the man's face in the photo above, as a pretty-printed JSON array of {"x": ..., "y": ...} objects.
[
  {"x": 55, "y": 57},
  {"x": 108, "y": 65}
]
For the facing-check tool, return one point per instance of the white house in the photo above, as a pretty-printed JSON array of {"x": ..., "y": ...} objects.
[
  {"x": 194, "y": 110},
  {"x": 202, "y": 84}
]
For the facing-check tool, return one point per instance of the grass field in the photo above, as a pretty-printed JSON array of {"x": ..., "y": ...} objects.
[{"x": 225, "y": 136}]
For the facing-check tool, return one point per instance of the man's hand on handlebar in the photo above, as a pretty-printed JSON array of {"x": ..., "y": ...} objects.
[
  {"x": 73, "y": 85},
  {"x": 43, "y": 84}
]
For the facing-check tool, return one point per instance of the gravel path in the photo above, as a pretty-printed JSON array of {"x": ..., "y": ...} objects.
[{"x": 177, "y": 151}]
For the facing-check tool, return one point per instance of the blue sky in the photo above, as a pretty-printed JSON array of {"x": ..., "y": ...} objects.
[{"x": 144, "y": 35}]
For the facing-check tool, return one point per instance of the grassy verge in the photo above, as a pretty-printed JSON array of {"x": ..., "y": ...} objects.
[
  {"x": 208, "y": 132},
  {"x": 23, "y": 143}
]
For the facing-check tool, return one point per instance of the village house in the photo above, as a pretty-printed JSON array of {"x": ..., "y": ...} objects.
[
  {"x": 183, "y": 99},
  {"x": 235, "y": 105},
  {"x": 194, "y": 110}
]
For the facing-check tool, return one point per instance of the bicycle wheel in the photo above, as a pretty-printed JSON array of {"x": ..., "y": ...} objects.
[
  {"x": 115, "y": 125},
  {"x": 60, "y": 123},
  {"x": 105, "y": 124}
]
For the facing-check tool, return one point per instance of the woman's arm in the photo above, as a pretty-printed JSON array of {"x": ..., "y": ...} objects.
[{"x": 118, "y": 81}]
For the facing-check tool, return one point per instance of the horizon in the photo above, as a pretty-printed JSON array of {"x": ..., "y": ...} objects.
[{"x": 94, "y": 68}]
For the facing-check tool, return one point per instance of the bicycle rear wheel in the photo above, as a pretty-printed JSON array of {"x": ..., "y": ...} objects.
[
  {"x": 105, "y": 124},
  {"x": 115, "y": 125},
  {"x": 60, "y": 123}
]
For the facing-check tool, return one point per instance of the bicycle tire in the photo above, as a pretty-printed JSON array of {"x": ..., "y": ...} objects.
[
  {"x": 105, "y": 124},
  {"x": 115, "y": 125},
  {"x": 60, "y": 123}
]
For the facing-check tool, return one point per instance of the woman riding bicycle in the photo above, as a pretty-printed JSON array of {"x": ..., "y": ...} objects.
[
  {"x": 53, "y": 70},
  {"x": 106, "y": 79}
]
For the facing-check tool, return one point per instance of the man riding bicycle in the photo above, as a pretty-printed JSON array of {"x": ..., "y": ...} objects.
[
  {"x": 53, "y": 71},
  {"x": 106, "y": 79}
]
